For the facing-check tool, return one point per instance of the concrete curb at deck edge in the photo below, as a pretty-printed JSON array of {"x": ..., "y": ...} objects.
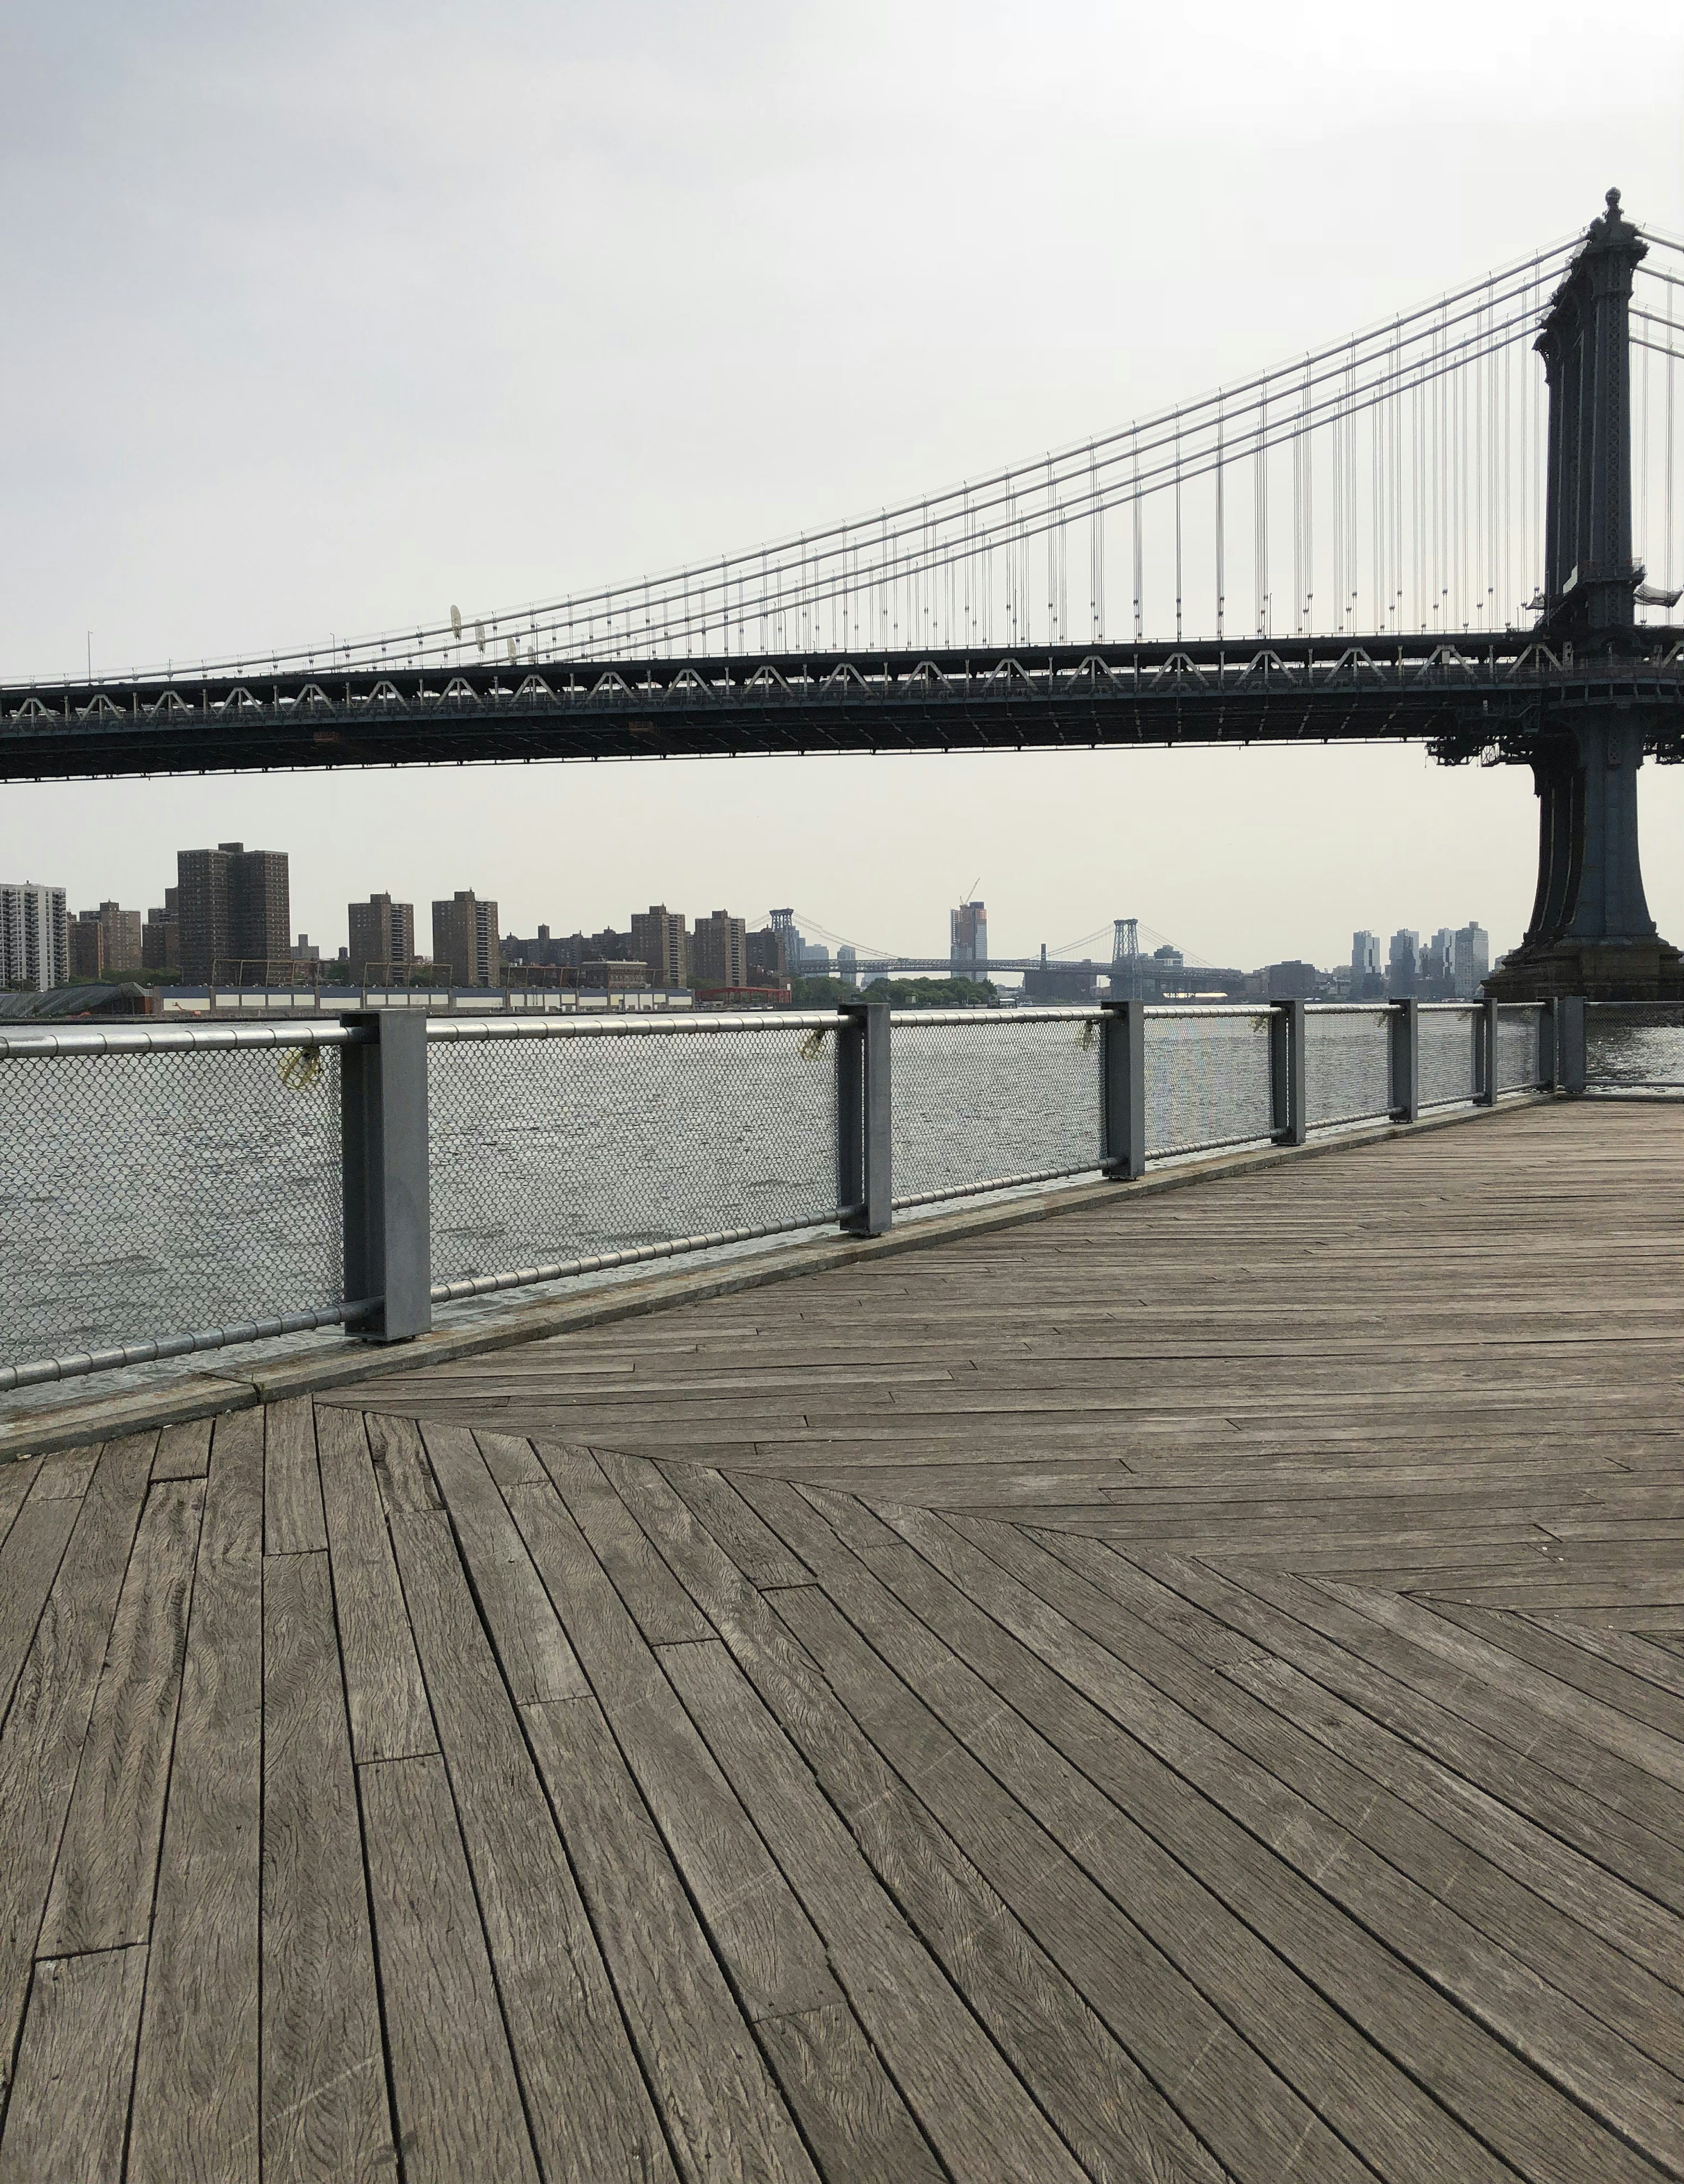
[{"x": 209, "y": 1395}]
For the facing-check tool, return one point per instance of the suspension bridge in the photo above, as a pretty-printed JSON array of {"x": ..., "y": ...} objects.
[{"x": 1407, "y": 535}]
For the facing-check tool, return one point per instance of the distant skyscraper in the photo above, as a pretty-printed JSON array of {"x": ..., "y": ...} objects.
[
  {"x": 1404, "y": 963},
  {"x": 659, "y": 940},
  {"x": 161, "y": 935},
  {"x": 235, "y": 907},
  {"x": 719, "y": 950},
  {"x": 35, "y": 942},
  {"x": 1366, "y": 981},
  {"x": 465, "y": 936},
  {"x": 968, "y": 937},
  {"x": 382, "y": 939},
  {"x": 1471, "y": 960},
  {"x": 847, "y": 966}
]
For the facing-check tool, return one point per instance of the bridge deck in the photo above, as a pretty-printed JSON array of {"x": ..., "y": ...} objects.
[{"x": 1188, "y": 1691}]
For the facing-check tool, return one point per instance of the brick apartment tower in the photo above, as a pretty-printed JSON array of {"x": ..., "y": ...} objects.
[
  {"x": 383, "y": 937},
  {"x": 658, "y": 938},
  {"x": 719, "y": 950},
  {"x": 465, "y": 936},
  {"x": 235, "y": 907}
]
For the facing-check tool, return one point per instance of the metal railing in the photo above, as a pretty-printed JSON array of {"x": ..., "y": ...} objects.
[{"x": 245, "y": 1182}]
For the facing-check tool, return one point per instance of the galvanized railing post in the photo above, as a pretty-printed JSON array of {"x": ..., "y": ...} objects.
[
  {"x": 1405, "y": 1030},
  {"x": 1123, "y": 1089},
  {"x": 1571, "y": 1062},
  {"x": 1286, "y": 1072},
  {"x": 388, "y": 1225},
  {"x": 1484, "y": 1055},
  {"x": 1549, "y": 1048},
  {"x": 864, "y": 1120}
]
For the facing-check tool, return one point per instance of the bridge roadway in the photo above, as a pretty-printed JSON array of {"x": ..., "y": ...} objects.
[
  {"x": 1468, "y": 696},
  {"x": 1190, "y": 1688}
]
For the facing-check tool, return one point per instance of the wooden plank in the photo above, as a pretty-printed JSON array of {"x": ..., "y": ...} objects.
[
  {"x": 722, "y": 2110},
  {"x": 510, "y": 1459},
  {"x": 401, "y": 1469},
  {"x": 195, "y": 2112},
  {"x": 183, "y": 1451},
  {"x": 453, "y": 2078},
  {"x": 1154, "y": 1976},
  {"x": 537, "y": 1659},
  {"x": 293, "y": 1523},
  {"x": 1450, "y": 1794},
  {"x": 1552, "y": 1992},
  {"x": 64, "y": 1477},
  {"x": 29, "y": 1556},
  {"x": 776, "y": 1959},
  {"x": 587, "y": 2102},
  {"x": 849, "y": 2110},
  {"x": 971, "y": 2105},
  {"x": 70, "y": 2094},
  {"x": 16, "y": 1479},
  {"x": 389, "y": 1714},
  {"x": 1517, "y": 2110},
  {"x": 103, "y": 1884},
  {"x": 324, "y": 2098},
  {"x": 42, "y": 1742},
  {"x": 663, "y": 1610},
  {"x": 757, "y": 1550}
]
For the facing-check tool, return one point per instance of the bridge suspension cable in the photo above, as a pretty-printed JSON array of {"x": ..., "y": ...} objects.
[{"x": 1415, "y": 453}]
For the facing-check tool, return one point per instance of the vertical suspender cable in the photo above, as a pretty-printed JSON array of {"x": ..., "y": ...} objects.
[
  {"x": 1221, "y": 525},
  {"x": 1178, "y": 527}
]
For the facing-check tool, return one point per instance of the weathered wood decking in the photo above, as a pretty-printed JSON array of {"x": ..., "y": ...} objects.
[{"x": 1188, "y": 1691}]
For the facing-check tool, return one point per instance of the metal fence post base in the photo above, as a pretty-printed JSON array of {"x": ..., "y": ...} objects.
[
  {"x": 1406, "y": 1062},
  {"x": 388, "y": 1225},
  {"x": 1286, "y": 1072},
  {"x": 1123, "y": 1090},
  {"x": 864, "y": 1121}
]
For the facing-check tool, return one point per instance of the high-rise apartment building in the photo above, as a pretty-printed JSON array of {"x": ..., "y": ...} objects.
[
  {"x": 1402, "y": 966},
  {"x": 1367, "y": 982},
  {"x": 383, "y": 938},
  {"x": 35, "y": 942},
  {"x": 235, "y": 907},
  {"x": 105, "y": 943},
  {"x": 968, "y": 937},
  {"x": 719, "y": 950},
  {"x": 465, "y": 936},
  {"x": 1471, "y": 960},
  {"x": 658, "y": 938},
  {"x": 161, "y": 935}
]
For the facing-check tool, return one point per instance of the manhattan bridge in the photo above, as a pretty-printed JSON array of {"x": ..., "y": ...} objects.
[{"x": 1413, "y": 534}]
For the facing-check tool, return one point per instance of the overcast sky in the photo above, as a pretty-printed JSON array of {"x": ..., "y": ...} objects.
[{"x": 318, "y": 319}]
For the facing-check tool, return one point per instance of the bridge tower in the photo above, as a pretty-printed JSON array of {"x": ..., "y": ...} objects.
[{"x": 1591, "y": 931}]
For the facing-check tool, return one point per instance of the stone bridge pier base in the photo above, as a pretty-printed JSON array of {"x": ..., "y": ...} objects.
[{"x": 1591, "y": 931}]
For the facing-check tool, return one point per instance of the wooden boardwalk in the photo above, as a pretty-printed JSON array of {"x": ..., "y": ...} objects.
[{"x": 1186, "y": 1690}]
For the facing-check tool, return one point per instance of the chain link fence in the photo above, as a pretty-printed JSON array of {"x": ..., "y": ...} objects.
[
  {"x": 160, "y": 1190},
  {"x": 1348, "y": 1065},
  {"x": 547, "y": 1149},
  {"x": 987, "y": 1099},
  {"x": 1207, "y": 1079},
  {"x": 1448, "y": 1053},
  {"x": 1520, "y": 1046}
]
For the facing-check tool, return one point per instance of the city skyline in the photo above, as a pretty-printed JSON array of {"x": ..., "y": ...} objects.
[{"x": 231, "y": 905}]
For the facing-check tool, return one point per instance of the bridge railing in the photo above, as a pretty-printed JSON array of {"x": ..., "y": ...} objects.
[{"x": 238, "y": 1184}]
